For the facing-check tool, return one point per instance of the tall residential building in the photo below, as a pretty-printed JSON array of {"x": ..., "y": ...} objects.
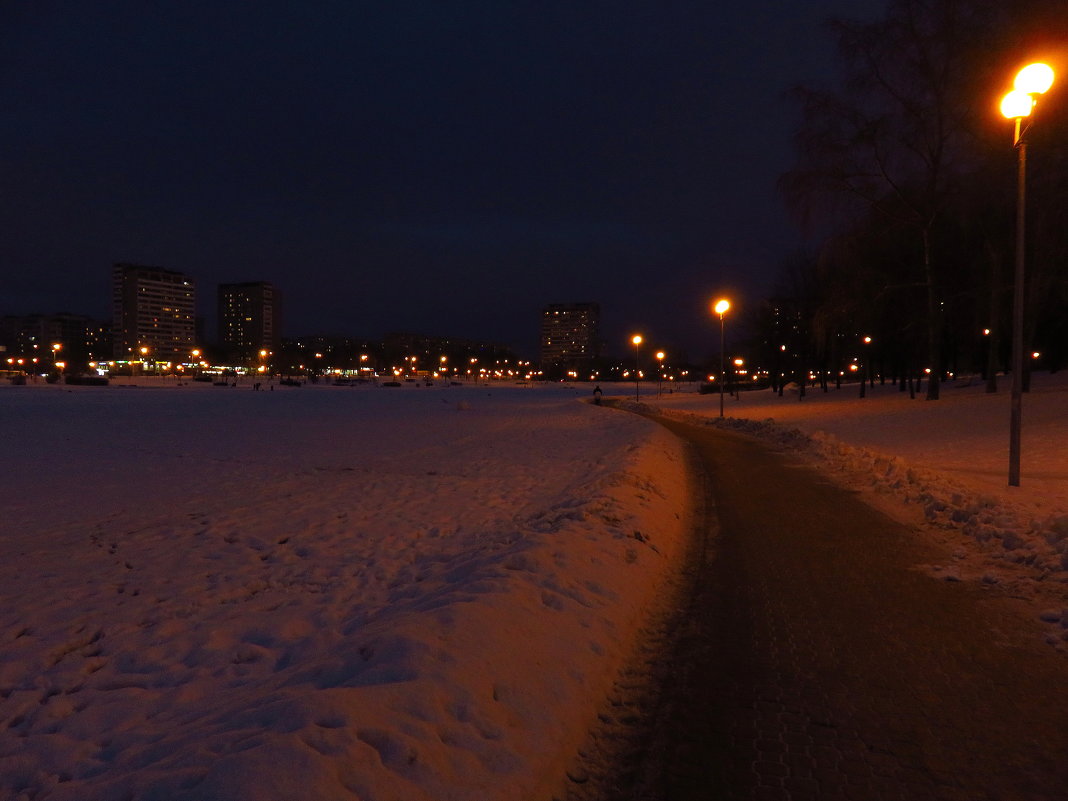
[
  {"x": 570, "y": 337},
  {"x": 249, "y": 318},
  {"x": 152, "y": 308}
]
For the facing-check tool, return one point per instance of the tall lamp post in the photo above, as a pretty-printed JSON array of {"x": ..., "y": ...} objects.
[
  {"x": 721, "y": 306},
  {"x": 1034, "y": 79},
  {"x": 659, "y": 371},
  {"x": 637, "y": 340},
  {"x": 865, "y": 373}
]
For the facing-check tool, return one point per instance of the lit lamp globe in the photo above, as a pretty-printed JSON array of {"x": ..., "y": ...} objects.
[
  {"x": 1017, "y": 104},
  {"x": 721, "y": 307},
  {"x": 1034, "y": 79}
]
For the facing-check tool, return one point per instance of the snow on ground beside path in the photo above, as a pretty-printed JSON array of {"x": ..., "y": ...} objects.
[
  {"x": 945, "y": 461},
  {"x": 318, "y": 593}
]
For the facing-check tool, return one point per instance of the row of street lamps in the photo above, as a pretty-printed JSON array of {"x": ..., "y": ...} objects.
[
  {"x": 720, "y": 307},
  {"x": 1018, "y": 105},
  {"x": 636, "y": 341}
]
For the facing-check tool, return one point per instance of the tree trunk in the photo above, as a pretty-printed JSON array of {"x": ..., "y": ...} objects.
[{"x": 934, "y": 322}]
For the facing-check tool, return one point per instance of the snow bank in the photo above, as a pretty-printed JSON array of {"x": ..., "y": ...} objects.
[
  {"x": 319, "y": 593},
  {"x": 943, "y": 463}
]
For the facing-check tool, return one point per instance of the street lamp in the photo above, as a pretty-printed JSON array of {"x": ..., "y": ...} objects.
[
  {"x": 637, "y": 340},
  {"x": 659, "y": 371},
  {"x": 720, "y": 307},
  {"x": 867, "y": 366},
  {"x": 1034, "y": 79}
]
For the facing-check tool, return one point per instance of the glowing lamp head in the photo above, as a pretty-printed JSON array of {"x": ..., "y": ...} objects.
[
  {"x": 636, "y": 339},
  {"x": 721, "y": 306},
  {"x": 1034, "y": 79},
  {"x": 1017, "y": 104}
]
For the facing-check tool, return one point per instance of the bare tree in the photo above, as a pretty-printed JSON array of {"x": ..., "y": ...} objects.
[{"x": 898, "y": 135}]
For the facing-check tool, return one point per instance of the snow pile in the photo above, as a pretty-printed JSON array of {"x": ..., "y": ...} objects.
[{"x": 319, "y": 593}]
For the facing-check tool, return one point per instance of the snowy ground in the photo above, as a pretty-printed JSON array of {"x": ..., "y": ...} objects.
[
  {"x": 942, "y": 465},
  {"x": 411, "y": 593},
  {"x": 318, "y": 592}
]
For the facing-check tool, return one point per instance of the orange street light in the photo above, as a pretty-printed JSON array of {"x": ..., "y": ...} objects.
[
  {"x": 721, "y": 307},
  {"x": 1034, "y": 79},
  {"x": 637, "y": 340}
]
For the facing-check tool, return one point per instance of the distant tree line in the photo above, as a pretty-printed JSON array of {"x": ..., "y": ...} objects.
[{"x": 906, "y": 177}]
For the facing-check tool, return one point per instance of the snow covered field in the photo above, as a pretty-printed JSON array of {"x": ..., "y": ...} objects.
[
  {"x": 411, "y": 593},
  {"x": 318, "y": 592}
]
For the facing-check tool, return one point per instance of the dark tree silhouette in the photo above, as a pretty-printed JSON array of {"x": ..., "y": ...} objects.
[{"x": 899, "y": 135}]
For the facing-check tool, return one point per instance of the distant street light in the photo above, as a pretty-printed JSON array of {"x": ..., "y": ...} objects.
[
  {"x": 721, "y": 306},
  {"x": 1034, "y": 79},
  {"x": 637, "y": 340},
  {"x": 659, "y": 371},
  {"x": 867, "y": 366}
]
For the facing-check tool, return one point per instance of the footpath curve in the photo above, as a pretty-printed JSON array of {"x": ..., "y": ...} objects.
[{"x": 814, "y": 661}]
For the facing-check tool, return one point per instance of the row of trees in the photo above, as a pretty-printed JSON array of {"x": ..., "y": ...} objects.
[{"x": 906, "y": 175}]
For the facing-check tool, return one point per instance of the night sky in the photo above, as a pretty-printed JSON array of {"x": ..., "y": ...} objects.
[{"x": 439, "y": 167}]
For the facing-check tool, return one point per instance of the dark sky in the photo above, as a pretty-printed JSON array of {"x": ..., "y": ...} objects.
[{"x": 439, "y": 167}]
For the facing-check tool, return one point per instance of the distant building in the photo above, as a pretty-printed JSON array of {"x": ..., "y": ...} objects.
[
  {"x": 570, "y": 336},
  {"x": 249, "y": 318},
  {"x": 316, "y": 354},
  {"x": 450, "y": 356},
  {"x": 80, "y": 339},
  {"x": 153, "y": 308}
]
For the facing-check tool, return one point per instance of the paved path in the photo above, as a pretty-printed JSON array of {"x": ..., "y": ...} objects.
[{"x": 817, "y": 663}]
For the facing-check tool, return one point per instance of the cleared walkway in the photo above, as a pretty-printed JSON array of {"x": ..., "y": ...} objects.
[{"x": 816, "y": 662}]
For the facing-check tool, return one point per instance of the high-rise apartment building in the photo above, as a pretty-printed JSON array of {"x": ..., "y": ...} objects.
[
  {"x": 155, "y": 309},
  {"x": 570, "y": 335},
  {"x": 249, "y": 318}
]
